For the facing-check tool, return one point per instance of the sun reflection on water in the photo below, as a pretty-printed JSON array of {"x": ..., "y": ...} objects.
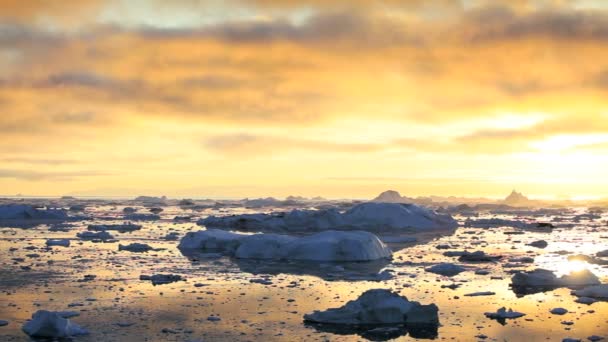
[{"x": 570, "y": 266}]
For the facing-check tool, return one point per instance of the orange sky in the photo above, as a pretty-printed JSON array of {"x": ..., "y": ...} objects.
[{"x": 332, "y": 98}]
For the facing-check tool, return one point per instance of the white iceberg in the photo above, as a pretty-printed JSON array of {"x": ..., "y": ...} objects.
[
  {"x": 212, "y": 240},
  {"x": 49, "y": 324},
  {"x": 377, "y": 306},
  {"x": 263, "y": 246},
  {"x": 375, "y": 217},
  {"x": 324, "y": 246}
]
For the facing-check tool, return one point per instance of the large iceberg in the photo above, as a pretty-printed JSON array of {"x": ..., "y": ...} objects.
[
  {"x": 325, "y": 246},
  {"x": 377, "y": 306},
  {"x": 371, "y": 216}
]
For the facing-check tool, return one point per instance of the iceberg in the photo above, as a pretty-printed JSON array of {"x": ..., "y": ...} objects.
[
  {"x": 377, "y": 306},
  {"x": 370, "y": 216},
  {"x": 28, "y": 212},
  {"x": 330, "y": 245},
  {"x": 48, "y": 324}
]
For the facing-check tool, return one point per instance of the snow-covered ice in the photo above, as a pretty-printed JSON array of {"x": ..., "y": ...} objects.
[{"x": 324, "y": 246}]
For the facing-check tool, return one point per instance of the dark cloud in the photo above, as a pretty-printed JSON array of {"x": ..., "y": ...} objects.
[
  {"x": 501, "y": 23},
  {"x": 349, "y": 26}
]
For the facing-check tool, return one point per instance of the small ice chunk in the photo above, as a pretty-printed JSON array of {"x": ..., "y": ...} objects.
[
  {"x": 483, "y": 293},
  {"x": 173, "y": 236},
  {"x": 161, "y": 279},
  {"x": 539, "y": 244},
  {"x": 446, "y": 269},
  {"x": 503, "y": 313},
  {"x": 478, "y": 256},
  {"x": 135, "y": 247},
  {"x": 58, "y": 242},
  {"x": 125, "y": 227},
  {"x": 559, "y": 311},
  {"x": 102, "y": 235}
]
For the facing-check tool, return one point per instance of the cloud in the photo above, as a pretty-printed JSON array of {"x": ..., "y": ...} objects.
[
  {"x": 39, "y": 161},
  {"x": 413, "y": 81},
  {"x": 30, "y": 175},
  {"x": 255, "y": 145}
]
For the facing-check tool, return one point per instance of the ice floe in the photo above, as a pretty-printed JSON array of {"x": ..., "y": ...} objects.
[
  {"x": 58, "y": 242},
  {"x": 503, "y": 313},
  {"x": 323, "y": 246},
  {"x": 446, "y": 269},
  {"x": 596, "y": 292},
  {"x": 545, "y": 278}
]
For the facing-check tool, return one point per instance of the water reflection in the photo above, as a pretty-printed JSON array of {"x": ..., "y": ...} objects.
[
  {"x": 369, "y": 270},
  {"x": 379, "y": 332}
]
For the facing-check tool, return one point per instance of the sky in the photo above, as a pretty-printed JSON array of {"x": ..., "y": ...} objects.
[{"x": 341, "y": 98}]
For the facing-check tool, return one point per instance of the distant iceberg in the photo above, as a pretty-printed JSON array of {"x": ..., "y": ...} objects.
[
  {"x": 370, "y": 216},
  {"x": 28, "y": 212}
]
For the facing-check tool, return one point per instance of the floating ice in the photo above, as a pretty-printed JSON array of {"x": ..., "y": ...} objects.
[
  {"x": 446, "y": 269},
  {"x": 58, "y": 242},
  {"x": 102, "y": 235},
  {"x": 478, "y": 256},
  {"x": 539, "y": 244},
  {"x": 27, "y": 212},
  {"x": 559, "y": 311},
  {"x": 51, "y": 325},
  {"x": 503, "y": 313},
  {"x": 377, "y": 306},
  {"x": 161, "y": 279},
  {"x": 597, "y": 292},
  {"x": 135, "y": 247},
  {"x": 324, "y": 246},
  {"x": 125, "y": 227},
  {"x": 545, "y": 278}
]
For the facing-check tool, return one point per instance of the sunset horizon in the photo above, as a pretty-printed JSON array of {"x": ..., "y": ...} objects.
[{"x": 337, "y": 98}]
